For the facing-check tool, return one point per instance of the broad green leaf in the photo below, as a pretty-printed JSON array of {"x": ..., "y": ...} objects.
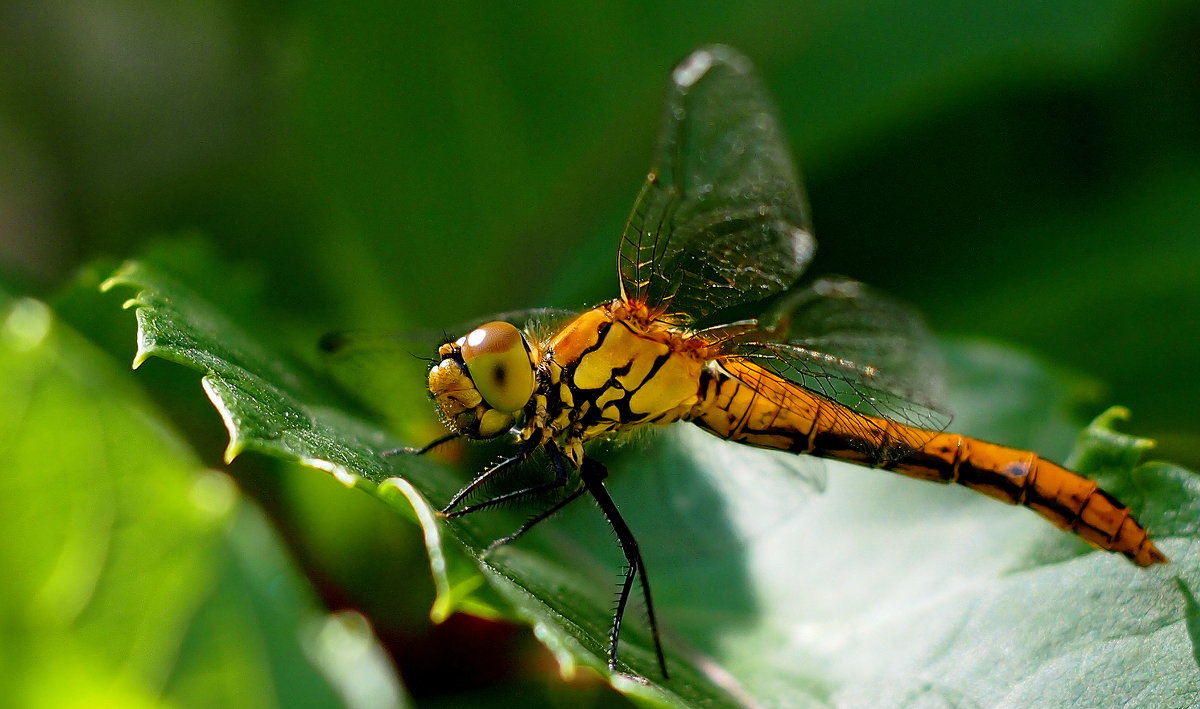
[
  {"x": 270, "y": 406},
  {"x": 878, "y": 591},
  {"x": 133, "y": 577}
]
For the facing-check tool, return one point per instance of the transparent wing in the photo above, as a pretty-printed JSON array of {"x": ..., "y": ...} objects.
[
  {"x": 872, "y": 330},
  {"x": 721, "y": 219},
  {"x": 854, "y": 346}
]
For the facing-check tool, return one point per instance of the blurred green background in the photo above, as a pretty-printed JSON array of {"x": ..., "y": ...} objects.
[{"x": 1028, "y": 172}]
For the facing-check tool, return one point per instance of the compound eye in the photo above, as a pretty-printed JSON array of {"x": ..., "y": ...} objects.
[{"x": 499, "y": 364}]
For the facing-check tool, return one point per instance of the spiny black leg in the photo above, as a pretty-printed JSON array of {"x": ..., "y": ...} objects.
[
  {"x": 561, "y": 475},
  {"x": 532, "y": 521},
  {"x": 593, "y": 475},
  {"x": 408, "y": 450},
  {"x": 522, "y": 453}
]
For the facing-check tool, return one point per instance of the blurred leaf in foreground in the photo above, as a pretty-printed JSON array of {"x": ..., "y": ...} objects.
[{"x": 133, "y": 577}]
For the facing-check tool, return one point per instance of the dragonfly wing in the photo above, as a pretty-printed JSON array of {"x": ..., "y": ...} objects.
[
  {"x": 843, "y": 317},
  {"x": 721, "y": 219},
  {"x": 859, "y": 348}
]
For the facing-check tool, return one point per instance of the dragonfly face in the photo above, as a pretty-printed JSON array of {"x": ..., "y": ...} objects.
[{"x": 483, "y": 379}]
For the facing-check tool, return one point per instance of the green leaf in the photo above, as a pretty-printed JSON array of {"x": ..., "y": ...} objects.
[
  {"x": 129, "y": 574},
  {"x": 879, "y": 591},
  {"x": 271, "y": 406}
]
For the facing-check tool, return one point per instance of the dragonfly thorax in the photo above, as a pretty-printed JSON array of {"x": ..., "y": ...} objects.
[
  {"x": 483, "y": 380},
  {"x": 612, "y": 369}
]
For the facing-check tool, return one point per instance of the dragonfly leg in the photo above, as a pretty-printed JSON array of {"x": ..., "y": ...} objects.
[
  {"x": 524, "y": 451},
  {"x": 593, "y": 475},
  {"x": 534, "y": 520},
  {"x": 409, "y": 450},
  {"x": 561, "y": 476}
]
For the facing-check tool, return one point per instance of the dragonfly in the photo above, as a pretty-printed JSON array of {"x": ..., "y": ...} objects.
[{"x": 721, "y": 227}]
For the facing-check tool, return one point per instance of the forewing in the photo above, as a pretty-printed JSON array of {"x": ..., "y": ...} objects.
[
  {"x": 843, "y": 317},
  {"x": 721, "y": 219},
  {"x": 859, "y": 348}
]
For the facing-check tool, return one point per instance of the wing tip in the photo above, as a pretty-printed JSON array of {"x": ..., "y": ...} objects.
[{"x": 695, "y": 66}]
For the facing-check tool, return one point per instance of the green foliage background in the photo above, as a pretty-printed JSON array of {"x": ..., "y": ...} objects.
[{"x": 1028, "y": 172}]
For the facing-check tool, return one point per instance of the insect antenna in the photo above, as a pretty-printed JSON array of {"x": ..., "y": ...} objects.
[{"x": 431, "y": 361}]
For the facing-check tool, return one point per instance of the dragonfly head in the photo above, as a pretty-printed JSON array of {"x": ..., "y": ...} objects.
[{"x": 483, "y": 379}]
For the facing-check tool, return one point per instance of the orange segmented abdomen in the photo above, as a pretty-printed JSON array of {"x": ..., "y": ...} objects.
[
  {"x": 742, "y": 402},
  {"x": 1068, "y": 500}
]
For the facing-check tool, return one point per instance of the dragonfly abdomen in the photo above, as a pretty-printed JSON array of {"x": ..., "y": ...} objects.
[
  {"x": 734, "y": 407},
  {"x": 1068, "y": 500}
]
